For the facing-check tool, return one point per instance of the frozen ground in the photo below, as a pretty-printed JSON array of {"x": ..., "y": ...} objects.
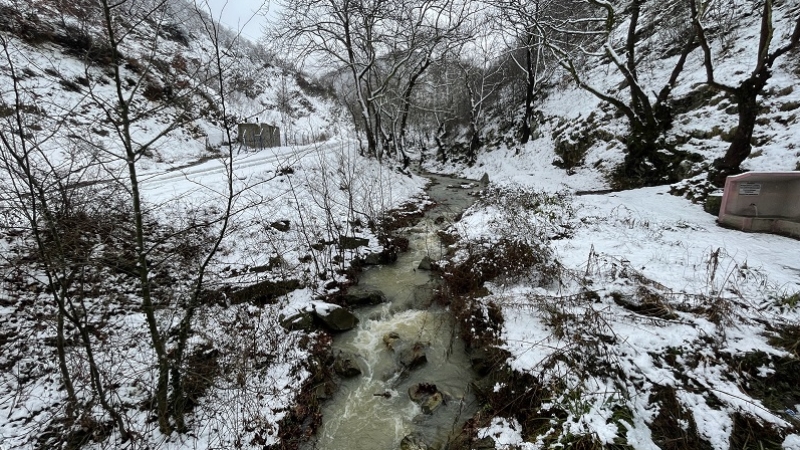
[
  {"x": 651, "y": 295},
  {"x": 322, "y": 191},
  {"x": 656, "y": 311}
]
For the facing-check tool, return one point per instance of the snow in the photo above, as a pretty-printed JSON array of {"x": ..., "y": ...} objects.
[
  {"x": 505, "y": 434},
  {"x": 718, "y": 288},
  {"x": 677, "y": 249},
  {"x": 317, "y": 181}
]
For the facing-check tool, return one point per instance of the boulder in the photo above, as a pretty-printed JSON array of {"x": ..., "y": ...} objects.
[
  {"x": 391, "y": 340},
  {"x": 432, "y": 403},
  {"x": 412, "y": 442},
  {"x": 386, "y": 256},
  {"x": 352, "y": 243},
  {"x": 337, "y": 319},
  {"x": 281, "y": 225},
  {"x": 373, "y": 259},
  {"x": 485, "y": 179},
  {"x": 364, "y": 296},
  {"x": 427, "y": 396},
  {"x": 264, "y": 293},
  {"x": 412, "y": 356},
  {"x": 302, "y": 321},
  {"x": 346, "y": 365},
  {"x": 486, "y": 443},
  {"x": 425, "y": 264}
]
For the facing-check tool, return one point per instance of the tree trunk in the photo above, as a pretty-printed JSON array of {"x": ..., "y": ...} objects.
[
  {"x": 643, "y": 164},
  {"x": 525, "y": 126},
  {"x": 746, "y": 96}
]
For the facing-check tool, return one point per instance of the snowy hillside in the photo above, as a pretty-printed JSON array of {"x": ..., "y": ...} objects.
[
  {"x": 61, "y": 58},
  {"x": 164, "y": 287},
  {"x": 639, "y": 323},
  {"x": 136, "y": 231},
  {"x": 576, "y": 130}
]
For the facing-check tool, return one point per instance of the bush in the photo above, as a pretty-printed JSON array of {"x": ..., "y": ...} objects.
[{"x": 518, "y": 243}]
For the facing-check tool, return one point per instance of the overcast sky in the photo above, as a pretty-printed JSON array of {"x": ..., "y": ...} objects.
[{"x": 236, "y": 13}]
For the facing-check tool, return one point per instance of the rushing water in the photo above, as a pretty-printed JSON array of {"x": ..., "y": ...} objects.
[{"x": 374, "y": 411}]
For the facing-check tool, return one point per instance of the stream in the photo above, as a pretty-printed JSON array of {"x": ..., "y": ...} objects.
[{"x": 374, "y": 410}]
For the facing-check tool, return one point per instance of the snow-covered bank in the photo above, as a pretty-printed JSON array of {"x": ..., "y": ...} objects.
[
  {"x": 654, "y": 308},
  {"x": 290, "y": 208}
]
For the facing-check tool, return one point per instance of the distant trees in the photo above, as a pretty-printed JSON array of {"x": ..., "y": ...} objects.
[
  {"x": 520, "y": 22},
  {"x": 382, "y": 48},
  {"x": 483, "y": 75},
  {"x": 745, "y": 93}
]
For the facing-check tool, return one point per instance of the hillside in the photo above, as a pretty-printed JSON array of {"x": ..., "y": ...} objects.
[
  {"x": 640, "y": 323},
  {"x": 136, "y": 232},
  {"x": 584, "y": 135},
  {"x": 61, "y": 57}
]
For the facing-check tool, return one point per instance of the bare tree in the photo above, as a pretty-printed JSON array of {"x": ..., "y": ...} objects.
[
  {"x": 64, "y": 226},
  {"x": 427, "y": 31},
  {"x": 126, "y": 113},
  {"x": 380, "y": 49},
  {"x": 746, "y": 93},
  {"x": 340, "y": 32},
  {"x": 593, "y": 24},
  {"x": 482, "y": 76},
  {"x": 517, "y": 20}
]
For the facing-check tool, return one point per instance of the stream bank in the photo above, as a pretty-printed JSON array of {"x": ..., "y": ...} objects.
[{"x": 404, "y": 377}]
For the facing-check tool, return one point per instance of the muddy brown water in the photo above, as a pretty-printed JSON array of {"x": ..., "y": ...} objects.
[{"x": 374, "y": 411}]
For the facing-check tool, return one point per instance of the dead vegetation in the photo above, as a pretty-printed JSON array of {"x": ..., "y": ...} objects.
[{"x": 588, "y": 335}]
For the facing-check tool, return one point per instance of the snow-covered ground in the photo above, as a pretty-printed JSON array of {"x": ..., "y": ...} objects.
[
  {"x": 655, "y": 310},
  {"x": 322, "y": 191},
  {"x": 651, "y": 294}
]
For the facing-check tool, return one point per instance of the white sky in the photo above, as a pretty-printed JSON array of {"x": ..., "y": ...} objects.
[{"x": 237, "y": 13}]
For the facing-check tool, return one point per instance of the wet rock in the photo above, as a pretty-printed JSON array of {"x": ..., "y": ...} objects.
[
  {"x": 338, "y": 319},
  {"x": 481, "y": 362},
  {"x": 364, "y": 296},
  {"x": 485, "y": 179},
  {"x": 388, "y": 256},
  {"x": 373, "y": 259},
  {"x": 427, "y": 396},
  {"x": 391, "y": 340},
  {"x": 324, "y": 391},
  {"x": 423, "y": 296},
  {"x": 432, "y": 403},
  {"x": 302, "y": 321},
  {"x": 425, "y": 264},
  {"x": 486, "y": 443},
  {"x": 264, "y": 293},
  {"x": 411, "y": 356},
  {"x": 346, "y": 365},
  {"x": 352, "y": 243},
  {"x": 281, "y": 225},
  {"x": 412, "y": 442}
]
